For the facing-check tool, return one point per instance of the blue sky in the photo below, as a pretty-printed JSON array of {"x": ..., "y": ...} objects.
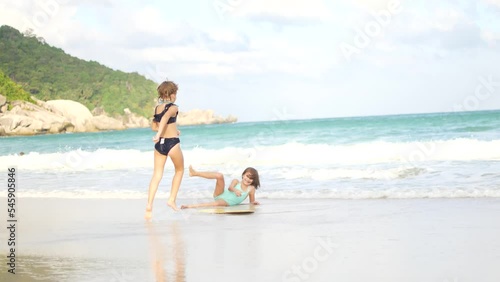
[{"x": 270, "y": 60}]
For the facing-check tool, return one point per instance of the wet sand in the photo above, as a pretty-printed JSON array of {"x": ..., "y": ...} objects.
[{"x": 284, "y": 240}]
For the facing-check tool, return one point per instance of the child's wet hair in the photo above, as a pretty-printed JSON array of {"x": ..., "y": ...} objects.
[{"x": 255, "y": 176}]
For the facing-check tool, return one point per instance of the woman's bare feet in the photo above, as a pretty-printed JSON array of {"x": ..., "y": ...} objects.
[
  {"x": 173, "y": 205},
  {"x": 192, "y": 172},
  {"x": 184, "y": 207},
  {"x": 149, "y": 213}
]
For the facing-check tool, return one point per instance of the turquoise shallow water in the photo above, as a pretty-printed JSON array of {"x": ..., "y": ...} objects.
[{"x": 401, "y": 156}]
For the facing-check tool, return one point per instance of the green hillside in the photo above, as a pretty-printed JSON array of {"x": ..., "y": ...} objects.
[
  {"x": 49, "y": 73},
  {"x": 12, "y": 91}
]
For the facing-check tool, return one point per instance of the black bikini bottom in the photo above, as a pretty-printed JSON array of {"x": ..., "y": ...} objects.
[{"x": 166, "y": 144}]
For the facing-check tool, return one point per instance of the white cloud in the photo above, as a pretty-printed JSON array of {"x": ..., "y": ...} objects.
[
  {"x": 493, "y": 2},
  {"x": 150, "y": 20},
  {"x": 226, "y": 36},
  {"x": 437, "y": 29},
  {"x": 275, "y": 56},
  {"x": 230, "y": 57},
  {"x": 51, "y": 20},
  {"x": 373, "y": 4},
  {"x": 491, "y": 37},
  {"x": 447, "y": 19},
  {"x": 283, "y": 12}
]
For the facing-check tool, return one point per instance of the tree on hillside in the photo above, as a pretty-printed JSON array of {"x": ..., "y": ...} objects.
[
  {"x": 12, "y": 91},
  {"x": 49, "y": 73}
]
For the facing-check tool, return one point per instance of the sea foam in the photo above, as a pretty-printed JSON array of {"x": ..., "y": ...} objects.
[{"x": 408, "y": 154}]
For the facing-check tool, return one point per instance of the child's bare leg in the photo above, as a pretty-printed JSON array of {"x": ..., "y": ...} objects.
[
  {"x": 210, "y": 204},
  {"x": 159, "y": 165},
  {"x": 204, "y": 174},
  {"x": 219, "y": 177},
  {"x": 178, "y": 159}
]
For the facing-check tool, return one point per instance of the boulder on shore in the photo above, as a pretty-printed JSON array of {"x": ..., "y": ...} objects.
[
  {"x": 57, "y": 116},
  {"x": 28, "y": 119},
  {"x": 196, "y": 117},
  {"x": 79, "y": 115}
]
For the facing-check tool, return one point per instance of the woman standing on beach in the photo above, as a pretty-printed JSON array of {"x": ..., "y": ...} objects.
[
  {"x": 167, "y": 144},
  {"x": 237, "y": 191}
]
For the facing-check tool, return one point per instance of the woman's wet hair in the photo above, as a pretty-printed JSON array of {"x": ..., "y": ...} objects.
[{"x": 166, "y": 88}]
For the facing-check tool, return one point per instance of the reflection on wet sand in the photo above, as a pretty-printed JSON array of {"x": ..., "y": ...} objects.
[{"x": 167, "y": 251}]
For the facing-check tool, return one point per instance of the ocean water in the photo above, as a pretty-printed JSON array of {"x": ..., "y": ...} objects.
[{"x": 441, "y": 155}]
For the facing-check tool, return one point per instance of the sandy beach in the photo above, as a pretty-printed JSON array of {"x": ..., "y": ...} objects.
[{"x": 284, "y": 240}]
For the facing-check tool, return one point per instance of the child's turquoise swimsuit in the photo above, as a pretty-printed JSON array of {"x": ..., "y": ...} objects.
[{"x": 230, "y": 198}]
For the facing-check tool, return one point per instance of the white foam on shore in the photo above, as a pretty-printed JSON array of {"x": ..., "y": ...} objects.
[
  {"x": 342, "y": 173},
  {"x": 346, "y": 193},
  {"x": 408, "y": 154}
]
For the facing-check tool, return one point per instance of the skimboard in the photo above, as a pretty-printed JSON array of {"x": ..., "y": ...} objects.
[{"x": 244, "y": 209}]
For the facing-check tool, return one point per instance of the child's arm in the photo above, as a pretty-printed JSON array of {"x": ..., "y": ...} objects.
[
  {"x": 231, "y": 187},
  {"x": 251, "y": 195}
]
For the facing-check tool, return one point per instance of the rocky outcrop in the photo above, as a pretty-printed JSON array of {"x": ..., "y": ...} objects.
[
  {"x": 129, "y": 120},
  {"x": 196, "y": 117},
  {"x": 27, "y": 119},
  {"x": 132, "y": 120},
  {"x": 79, "y": 115},
  {"x": 104, "y": 122},
  {"x": 58, "y": 116}
]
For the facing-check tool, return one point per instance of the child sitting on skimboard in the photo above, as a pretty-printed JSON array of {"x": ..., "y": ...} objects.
[{"x": 237, "y": 191}]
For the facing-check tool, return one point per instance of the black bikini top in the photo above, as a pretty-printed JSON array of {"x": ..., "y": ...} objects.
[{"x": 157, "y": 117}]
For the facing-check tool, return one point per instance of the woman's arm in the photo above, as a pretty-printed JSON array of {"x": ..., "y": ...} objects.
[{"x": 163, "y": 122}]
